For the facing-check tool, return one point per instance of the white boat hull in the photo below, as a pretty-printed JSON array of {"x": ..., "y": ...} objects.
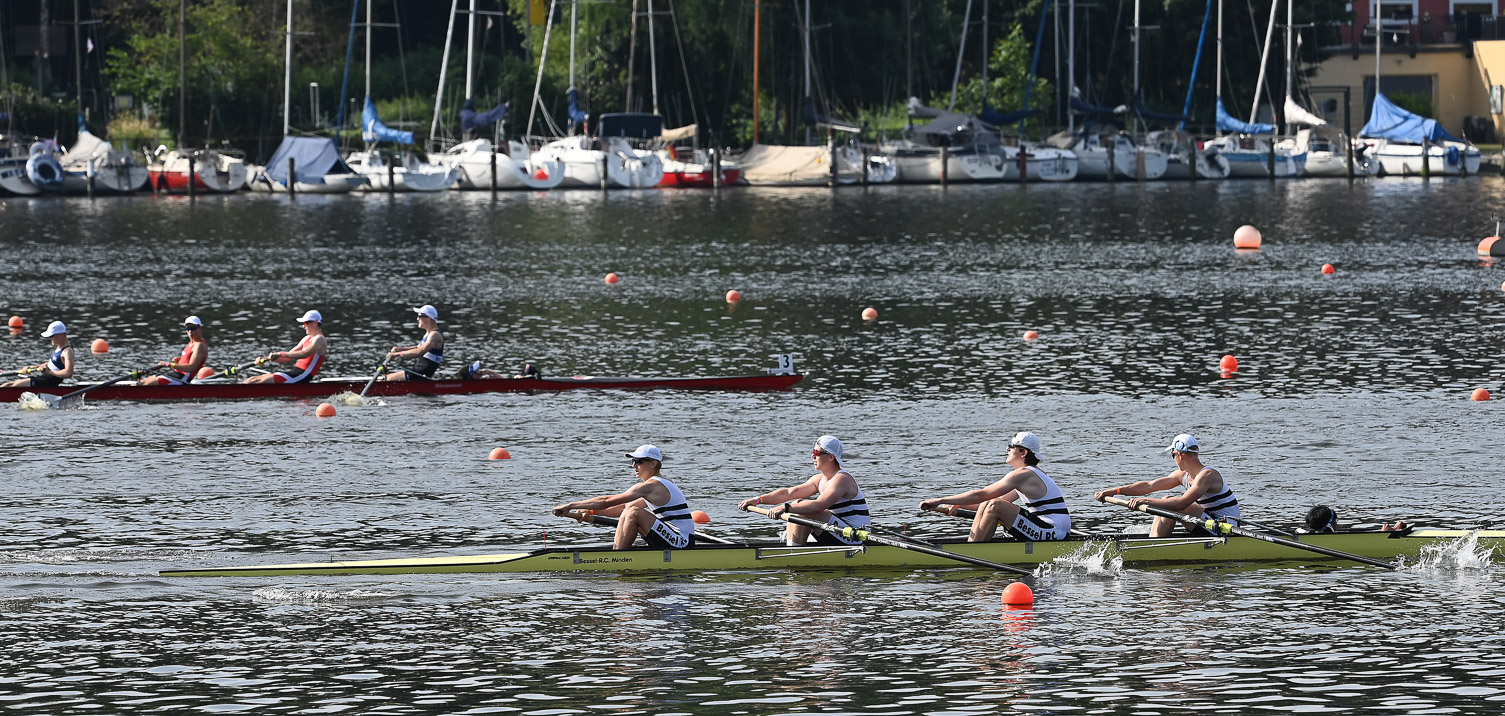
[
  {"x": 1404, "y": 159},
  {"x": 923, "y": 166},
  {"x": 515, "y": 169},
  {"x": 1042, "y": 163},
  {"x": 624, "y": 167}
]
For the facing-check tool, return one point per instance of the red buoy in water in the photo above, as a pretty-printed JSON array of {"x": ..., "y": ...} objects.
[
  {"x": 1491, "y": 246},
  {"x": 1018, "y": 594},
  {"x": 1328, "y": 268},
  {"x": 733, "y": 296},
  {"x": 499, "y": 454},
  {"x": 1247, "y": 237},
  {"x": 204, "y": 373},
  {"x": 16, "y": 322},
  {"x": 1480, "y": 394},
  {"x": 99, "y": 345},
  {"x": 700, "y": 517},
  {"x": 869, "y": 314},
  {"x": 1228, "y": 364},
  {"x": 612, "y": 278},
  {"x": 1030, "y": 335},
  {"x": 325, "y": 410}
]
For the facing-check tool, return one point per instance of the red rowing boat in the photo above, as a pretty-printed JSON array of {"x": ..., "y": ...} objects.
[{"x": 335, "y": 386}]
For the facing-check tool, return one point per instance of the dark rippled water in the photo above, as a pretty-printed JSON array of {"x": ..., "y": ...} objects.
[{"x": 1353, "y": 390}]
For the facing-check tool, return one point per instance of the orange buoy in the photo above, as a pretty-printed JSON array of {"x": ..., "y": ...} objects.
[
  {"x": 1247, "y": 237},
  {"x": 1030, "y": 335},
  {"x": 205, "y": 373},
  {"x": 499, "y": 454},
  {"x": 541, "y": 174},
  {"x": 733, "y": 296},
  {"x": 1228, "y": 364},
  {"x": 99, "y": 345},
  {"x": 700, "y": 517},
  {"x": 16, "y": 322},
  {"x": 1018, "y": 594},
  {"x": 325, "y": 410},
  {"x": 1491, "y": 246},
  {"x": 1328, "y": 268},
  {"x": 1480, "y": 395},
  {"x": 612, "y": 278},
  {"x": 869, "y": 314}
]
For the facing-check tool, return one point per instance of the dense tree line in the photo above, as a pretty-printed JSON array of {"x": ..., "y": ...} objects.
[{"x": 868, "y": 57}]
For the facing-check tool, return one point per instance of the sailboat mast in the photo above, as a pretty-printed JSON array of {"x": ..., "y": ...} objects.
[
  {"x": 287, "y": 74},
  {"x": 1135, "y": 125},
  {"x": 449, "y": 35},
  {"x": 1070, "y": 65},
  {"x": 543, "y": 56},
  {"x": 1264, "y": 62},
  {"x": 809, "y": 100},
  {"x": 960, "y": 51},
  {"x": 757, "y": 18},
  {"x": 1379, "y": 39},
  {"x": 368, "y": 48},
  {"x": 1290, "y": 59},
  {"x": 574, "y": 28},
  {"x": 653, "y": 56},
  {"x": 1218, "y": 75},
  {"x": 470, "y": 49},
  {"x": 984, "y": 54}
]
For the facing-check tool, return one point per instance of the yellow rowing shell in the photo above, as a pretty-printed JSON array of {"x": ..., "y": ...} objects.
[{"x": 1134, "y": 550}]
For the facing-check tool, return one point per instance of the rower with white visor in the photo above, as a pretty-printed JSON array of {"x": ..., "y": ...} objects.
[
  {"x": 428, "y": 354},
  {"x": 654, "y": 509},
  {"x": 1207, "y": 493},
  {"x": 831, "y": 495},
  {"x": 1043, "y": 516}
]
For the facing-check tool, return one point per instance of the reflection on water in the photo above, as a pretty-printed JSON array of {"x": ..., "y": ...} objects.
[{"x": 1352, "y": 391}]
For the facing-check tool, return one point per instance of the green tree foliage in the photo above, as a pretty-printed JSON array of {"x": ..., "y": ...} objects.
[
  {"x": 1419, "y": 104},
  {"x": 233, "y": 71},
  {"x": 33, "y": 114},
  {"x": 1008, "y": 80}
]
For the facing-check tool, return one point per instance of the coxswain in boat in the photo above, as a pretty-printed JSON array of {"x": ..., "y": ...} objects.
[
  {"x": 307, "y": 357},
  {"x": 59, "y": 365},
  {"x": 655, "y": 508},
  {"x": 1043, "y": 516},
  {"x": 1207, "y": 493},
  {"x": 1324, "y": 520},
  {"x": 830, "y": 495},
  {"x": 429, "y": 353},
  {"x": 182, "y": 370}
]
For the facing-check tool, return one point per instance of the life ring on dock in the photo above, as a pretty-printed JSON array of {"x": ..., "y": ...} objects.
[
  {"x": 45, "y": 172},
  {"x": 36, "y": 149}
]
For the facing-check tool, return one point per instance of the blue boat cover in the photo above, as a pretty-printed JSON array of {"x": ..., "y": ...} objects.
[
  {"x": 372, "y": 129},
  {"x": 313, "y": 157},
  {"x": 470, "y": 119},
  {"x": 997, "y": 119},
  {"x": 1081, "y": 107},
  {"x": 1153, "y": 116},
  {"x": 637, "y": 125},
  {"x": 577, "y": 115},
  {"x": 1387, "y": 121},
  {"x": 1226, "y": 123}
]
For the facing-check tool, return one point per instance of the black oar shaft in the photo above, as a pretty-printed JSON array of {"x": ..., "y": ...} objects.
[
  {"x": 1217, "y": 527},
  {"x": 866, "y": 536}
]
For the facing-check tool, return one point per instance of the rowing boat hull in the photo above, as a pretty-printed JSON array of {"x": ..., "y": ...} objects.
[
  {"x": 1135, "y": 551},
  {"x": 326, "y": 388}
]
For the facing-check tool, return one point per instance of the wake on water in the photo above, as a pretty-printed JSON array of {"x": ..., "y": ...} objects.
[
  {"x": 31, "y": 401},
  {"x": 1098, "y": 557},
  {"x": 1461, "y": 553}
]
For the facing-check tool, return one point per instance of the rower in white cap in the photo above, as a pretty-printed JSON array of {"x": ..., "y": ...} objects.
[
  {"x": 831, "y": 495},
  {"x": 655, "y": 508},
  {"x": 1042, "y": 517},
  {"x": 59, "y": 365},
  {"x": 307, "y": 357},
  {"x": 1207, "y": 493},
  {"x": 429, "y": 352},
  {"x": 183, "y": 369}
]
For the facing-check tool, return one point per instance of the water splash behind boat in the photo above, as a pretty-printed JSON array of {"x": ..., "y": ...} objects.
[
  {"x": 1461, "y": 553},
  {"x": 1093, "y": 557}
]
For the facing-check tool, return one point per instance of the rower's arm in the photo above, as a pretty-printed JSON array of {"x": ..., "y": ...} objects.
[
  {"x": 1143, "y": 487},
  {"x": 314, "y": 348},
  {"x": 784, "y": 494},
  {"x": 602, "y": 503},
  {"x": 1007, "y": 487},
  {"x": 1200, "y": 485}
]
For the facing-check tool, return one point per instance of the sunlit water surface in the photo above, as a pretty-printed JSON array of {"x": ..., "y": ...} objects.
[{"x": 1352, "y": 391}]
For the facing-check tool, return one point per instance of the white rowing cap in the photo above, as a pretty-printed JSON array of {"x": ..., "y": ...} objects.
[
  {"x": 648, "y": 451},
  {"x": 1027, "y": 440},
  {"x": 829, "y": 443},
  {"x": 311, "y": 316},
  {"x": 1183, "y": 443},
  {"x": 427, "y": 310},
  {"x": 56, "y": 328}
]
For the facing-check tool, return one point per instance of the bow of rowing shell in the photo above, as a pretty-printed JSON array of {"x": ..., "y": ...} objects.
[
  {"x": 1137, "y": 551},
  {"x": 326, "y": 388}
]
